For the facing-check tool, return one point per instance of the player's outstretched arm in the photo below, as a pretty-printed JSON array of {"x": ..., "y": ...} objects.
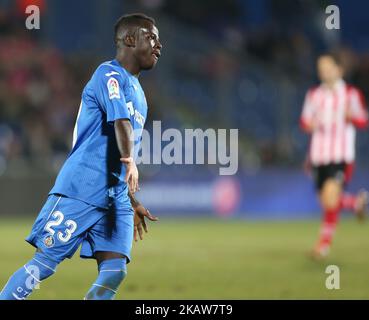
[{"x": 123, "y": 133}]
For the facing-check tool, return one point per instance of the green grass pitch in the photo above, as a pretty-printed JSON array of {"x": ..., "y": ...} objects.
[{"x": 212, "y": 259}]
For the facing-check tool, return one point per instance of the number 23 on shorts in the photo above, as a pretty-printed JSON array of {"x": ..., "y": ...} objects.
[{"x": 70, "y": 226}]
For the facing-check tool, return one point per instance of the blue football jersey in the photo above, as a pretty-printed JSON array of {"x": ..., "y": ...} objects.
[{"x": 93, "y": 172}]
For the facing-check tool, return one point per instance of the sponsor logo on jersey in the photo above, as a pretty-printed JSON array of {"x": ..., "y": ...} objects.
[
  {"x": 130, "y": 108},
  {"x": 139, "y": 118},
  {"x": 113, "y": 88}
]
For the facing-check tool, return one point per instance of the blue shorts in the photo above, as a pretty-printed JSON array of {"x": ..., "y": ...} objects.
[{"x": 65, "y": 223}]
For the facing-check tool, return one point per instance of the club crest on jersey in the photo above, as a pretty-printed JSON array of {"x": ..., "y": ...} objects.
[
  {"x": 49, "y": 241},
  {"x": 113, "y": 88}
]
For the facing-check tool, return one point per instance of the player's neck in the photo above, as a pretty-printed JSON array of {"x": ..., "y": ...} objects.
[
  {"x": 126, "y": 62},
  {"x": 333, "y": 84}
]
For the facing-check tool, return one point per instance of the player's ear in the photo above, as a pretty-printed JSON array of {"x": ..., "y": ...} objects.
[{"x": 129, "y": 41}]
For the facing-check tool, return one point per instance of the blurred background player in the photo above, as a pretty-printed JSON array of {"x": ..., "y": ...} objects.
[
  {"x": 92, "y": 199},
  {"x": 331, "y": 112}
]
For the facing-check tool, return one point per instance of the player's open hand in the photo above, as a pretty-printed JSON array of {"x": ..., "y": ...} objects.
[
  {"x": 139, "y": 221},
  {"x": 131, "y": 177}
]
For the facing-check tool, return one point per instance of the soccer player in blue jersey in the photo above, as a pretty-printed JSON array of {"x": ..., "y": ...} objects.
[{"x": 92, "y": 202}]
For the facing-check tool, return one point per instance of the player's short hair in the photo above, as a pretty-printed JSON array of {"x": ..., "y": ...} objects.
[
  {"x": 335, "y": 56},
  {"x": 130, "y": 20}
]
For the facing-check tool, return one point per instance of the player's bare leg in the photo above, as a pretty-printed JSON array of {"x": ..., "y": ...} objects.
[
  {"x": 112, "y": 271},
  {"x": 330, "y": 194},
  {"x": 329, "y": 197}
]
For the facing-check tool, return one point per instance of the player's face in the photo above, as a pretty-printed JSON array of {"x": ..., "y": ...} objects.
[
  {"x": 328, "y": 70},
  {"x": 148, "y": 47}
]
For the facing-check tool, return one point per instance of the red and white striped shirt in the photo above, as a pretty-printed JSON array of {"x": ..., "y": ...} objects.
[{"x": 333, "y": 139}]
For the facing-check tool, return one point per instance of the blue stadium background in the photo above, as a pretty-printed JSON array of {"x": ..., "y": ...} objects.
[{"x": 226, "y": 64}]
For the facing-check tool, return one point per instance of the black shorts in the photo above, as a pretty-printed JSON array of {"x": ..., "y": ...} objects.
[{"x": 337, "y": 171}]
